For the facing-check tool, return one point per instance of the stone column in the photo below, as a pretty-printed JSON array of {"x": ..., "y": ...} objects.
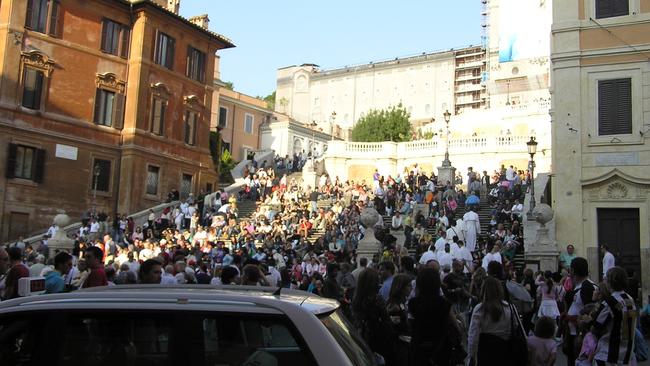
[
  {"x": 543, "y": 249},
  {"x": 446, "y": 173}
]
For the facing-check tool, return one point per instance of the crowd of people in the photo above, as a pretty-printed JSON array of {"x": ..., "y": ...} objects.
[{"x": 441, "y": 290}]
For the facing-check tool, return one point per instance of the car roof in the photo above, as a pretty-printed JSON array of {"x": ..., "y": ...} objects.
[{"x": 240, "y": 298}]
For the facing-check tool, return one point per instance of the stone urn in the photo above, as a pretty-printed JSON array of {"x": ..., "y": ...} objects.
[
  {"x": 369, "y": 245},
  {"x": 60, "y": 240},
  {"x": 543, "y": 214}
]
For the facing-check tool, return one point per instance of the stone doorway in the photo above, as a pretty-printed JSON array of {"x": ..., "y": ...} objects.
[{"x": 619, "y": 229}]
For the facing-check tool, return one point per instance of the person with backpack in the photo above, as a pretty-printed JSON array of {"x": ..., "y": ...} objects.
[
  {"x": 616, "y": 317},
  {"x": 581, "y": 295}
]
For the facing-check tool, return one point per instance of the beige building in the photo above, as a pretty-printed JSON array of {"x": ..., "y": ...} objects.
[{"x": 601, "y": 123}]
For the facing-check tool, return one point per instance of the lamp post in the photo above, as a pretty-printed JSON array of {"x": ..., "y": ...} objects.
[
  {"x": 333, "y": 117},
  {"x": 96, "y": 171},
  {"x": 532, "y": 149},
  {"x": 312, "y": 148},
  {"x": 446, "y": 162}
]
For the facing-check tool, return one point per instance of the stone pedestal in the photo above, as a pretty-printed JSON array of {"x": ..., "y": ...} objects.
[
  {"x": 60, "y": 240},
  {"x": 369, "y": 245},
  {"x": 309, "y": 176},
  {"x": 446, "y": 173},
  {"x": 543, "y": 248}
]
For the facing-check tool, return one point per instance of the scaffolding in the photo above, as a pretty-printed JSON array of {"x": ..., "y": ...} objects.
[{"x": 485, "y": 43}]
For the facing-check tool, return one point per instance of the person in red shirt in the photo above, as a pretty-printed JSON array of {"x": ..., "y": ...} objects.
[
  {"x": 94, "y": 260},
  {"x": 18, "y": 270}
]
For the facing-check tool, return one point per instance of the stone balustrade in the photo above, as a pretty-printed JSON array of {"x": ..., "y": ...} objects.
[{"x": 433, "y": 147}]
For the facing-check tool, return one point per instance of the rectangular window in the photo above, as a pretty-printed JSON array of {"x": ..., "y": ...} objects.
[
  {"x": 101, "y": 175},
  {"x": 32, "y": 88},
  {"x": 43, "y": 16},
  {"x": 612, "y": 8},
  {"x": 614, "y": 107},
  {"x": 152, "y": 180},
  {"x": 164, "y": 55},
  {"x": 190, "y": 127},
  {"x": 109, "y": 108},
  {"x": 195, "y": 64},
  {"x": 115, "y": 38},
  {"x": 223, "y": 117},
  {"x": 158, "y": 116},
  {"x": 248, "y": 123},
  {"x": 25, "y": 162}
]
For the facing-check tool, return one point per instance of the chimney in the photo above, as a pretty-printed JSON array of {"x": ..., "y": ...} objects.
[
  {"x": 173, "y": 6},
  {"x": 201, "y": 20}
]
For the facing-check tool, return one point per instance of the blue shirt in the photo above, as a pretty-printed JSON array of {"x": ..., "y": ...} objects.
[
  {"x": 54, "y": 283},
  {"x": 384, "y": 291}
]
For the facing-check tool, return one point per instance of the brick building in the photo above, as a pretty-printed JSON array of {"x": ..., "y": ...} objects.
[{"x": 105, "y": 98}]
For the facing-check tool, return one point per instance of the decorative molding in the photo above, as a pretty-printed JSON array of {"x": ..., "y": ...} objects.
[
  {"x": 614, "y": 173},
  {"x": 617, "y": 190},
  {"x": 109, "y": 80},
  {"x": 38, "y": 60},
  {"x": 192, "y": 101},
  {"x": 160, "y": 90}
]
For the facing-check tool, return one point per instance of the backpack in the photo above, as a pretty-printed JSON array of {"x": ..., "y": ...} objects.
[{"x": 520, "y": 297}]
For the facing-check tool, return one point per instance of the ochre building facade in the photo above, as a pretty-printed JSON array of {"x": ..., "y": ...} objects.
[{"x": 104, "y": 104}]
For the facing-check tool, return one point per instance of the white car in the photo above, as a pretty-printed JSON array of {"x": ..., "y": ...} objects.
[{"x": 152, "y": 325}]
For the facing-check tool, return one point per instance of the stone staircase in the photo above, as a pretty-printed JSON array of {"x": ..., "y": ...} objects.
[{"x": 484, "y": 218}]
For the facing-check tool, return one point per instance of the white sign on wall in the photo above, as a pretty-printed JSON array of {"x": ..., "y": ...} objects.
[{"x": 66, "y": 152}]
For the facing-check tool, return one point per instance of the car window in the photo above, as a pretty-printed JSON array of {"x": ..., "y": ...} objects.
[
  {"x": 18, "y": 340},
  {"x": 348, "y": 338},
  {"x": 243, "y": 339},
  {"x": 108, "y": 339}
]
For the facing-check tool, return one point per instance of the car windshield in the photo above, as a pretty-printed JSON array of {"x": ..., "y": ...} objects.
[{"x": 348, "y": 338}]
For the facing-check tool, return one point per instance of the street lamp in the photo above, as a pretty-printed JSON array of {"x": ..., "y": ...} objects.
[
  {"x": 333, "y": 116},
  {"x": 532, "y": 149},
  {"x": 447, "y": 116},
  {"x": 96, "y": 171},
  {"x": 313, "y": 126}
]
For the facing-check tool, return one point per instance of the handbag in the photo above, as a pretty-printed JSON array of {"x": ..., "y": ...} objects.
[{"x": 517, "y": 343}]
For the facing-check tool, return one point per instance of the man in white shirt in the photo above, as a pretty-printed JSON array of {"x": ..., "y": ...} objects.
[
  {"x": 493, "y": 256},
  {"x": 464, "y": 254},
  {"x": 510, "y": 174},
  {"x": 451, "y": 232},
  {"x": 472, "y": 229},
  {"x": 516, "y": 211},
  {"x": 440, "y": 243},
  {"x": 396, "y": 223},
  {"x": 608, "y": 259},
  {"x": 445, "y": 258},
  {"x": 52, "y": 230},
  {"x": 429, "y": 255}
]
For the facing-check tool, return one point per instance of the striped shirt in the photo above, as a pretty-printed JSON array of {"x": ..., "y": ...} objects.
[{"x": 617, "y": 317}]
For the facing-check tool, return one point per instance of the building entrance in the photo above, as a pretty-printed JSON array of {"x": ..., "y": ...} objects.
[{"x": 619, "y": 229}]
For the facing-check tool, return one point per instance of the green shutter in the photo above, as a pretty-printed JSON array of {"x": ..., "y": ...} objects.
[
  {"x": 29, "y": 19},
  {"x": 11, "y": 161},
  {"x": 55, "y": 18},
  {"x": 39, "y": 170},
  {"x": 118, "y": 111}
]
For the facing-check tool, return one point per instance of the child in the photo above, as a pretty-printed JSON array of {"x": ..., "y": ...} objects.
[
  {"x": 589, "y": 343},
  {"x": 542, "y": 348},
  {"x": 549, "y": 294}
]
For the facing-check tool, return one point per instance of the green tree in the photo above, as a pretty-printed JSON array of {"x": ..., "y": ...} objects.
[
  {"x": 384, "y": 125},
  {"x": 227, "y": 164},
  {"x": 270, "y": 101}
]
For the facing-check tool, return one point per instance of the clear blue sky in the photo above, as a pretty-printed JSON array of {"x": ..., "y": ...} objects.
[{"x": 334, "y": 33}]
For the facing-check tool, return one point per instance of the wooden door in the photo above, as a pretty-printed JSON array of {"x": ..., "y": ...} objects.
[{"x": 619, "y": 229}]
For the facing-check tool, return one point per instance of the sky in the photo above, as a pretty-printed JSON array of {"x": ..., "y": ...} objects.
[{"x": 335, "y": 33}]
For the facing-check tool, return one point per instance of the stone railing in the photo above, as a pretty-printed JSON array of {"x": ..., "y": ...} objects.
[
  {"x": 433, "y": 147},
  {"x": 139, "y": 219}
]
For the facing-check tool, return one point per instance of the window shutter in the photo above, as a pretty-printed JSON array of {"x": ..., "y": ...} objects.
[
  {"x": 188, "y": 64},
  {"x": 604, "y": 8},
  {"x": 621, "y": 7},
  {"x": 126, "y": 42},
  {"x": 118, "y": 111},
  {"x": 29, "y": 19},
  {"x": 98, "y": 105},
  {"x": 614, "y": 107},
  {"x": 104, "y": 43},
  {"x": 39, "y": 170},
  {"x": 187, "y": 127},
  {"x": 54, "y": 18},
  {"x": 11, "y": 161},
  {"x": 161, "y": 128},
  {"x": 170, "y": 53},
  {"x": 38, "y": 89}
]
